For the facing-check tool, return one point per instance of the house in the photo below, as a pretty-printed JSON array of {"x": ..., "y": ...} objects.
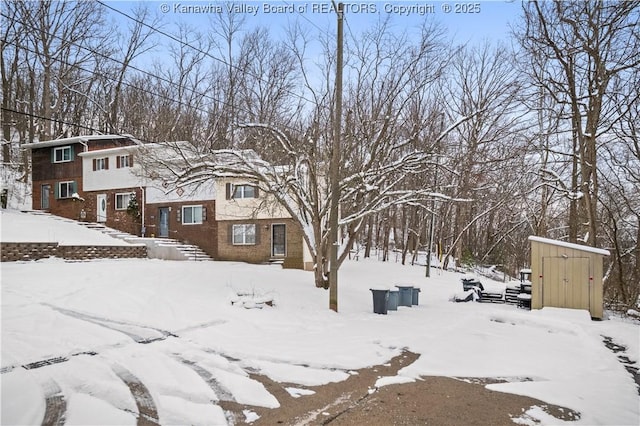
[
  {"x": 254, "y": 227},
  {"x": 566, "y": 275},
  {"x": 63, "y": 178},
  {"x": 101, "y": 179}
]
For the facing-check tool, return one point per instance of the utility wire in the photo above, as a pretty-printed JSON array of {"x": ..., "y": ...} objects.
[
  {"x": 108, "y": 77},
  {"x": 51, "y": 119},
  {"x": 223, "y": 102},
  {"x": 164, "y": 33},
  {"x": 102, "y": 55}
]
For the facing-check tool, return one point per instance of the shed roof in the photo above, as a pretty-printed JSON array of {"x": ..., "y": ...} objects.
[{"x": 570, "y": 245}]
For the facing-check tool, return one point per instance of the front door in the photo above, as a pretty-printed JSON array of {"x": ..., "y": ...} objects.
[
  {"x": 163, "y": 222},
  {"x": 101, "y": 212},
  {"x": 44, "y": 200},
  {"x": 278, "y": 240}
]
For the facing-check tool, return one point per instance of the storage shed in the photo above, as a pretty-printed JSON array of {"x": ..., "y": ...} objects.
[{"x": 566, "y": 275}]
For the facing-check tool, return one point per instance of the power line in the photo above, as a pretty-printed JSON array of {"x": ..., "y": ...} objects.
[
  {"x": 163, "y": 79},
  {"x": 108, "y": 77},
  {"x": 100, "y": 54},
  {"x": 164, "y": 33},
  {"x": 51, "y": 119},
  {"x": 306, "y": 19}
]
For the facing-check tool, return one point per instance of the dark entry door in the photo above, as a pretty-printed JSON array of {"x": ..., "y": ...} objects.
[
  {"x": 163, "y": 222},
  {"x": 44, "y": 200},
  {"x": 278, "y": 240}
]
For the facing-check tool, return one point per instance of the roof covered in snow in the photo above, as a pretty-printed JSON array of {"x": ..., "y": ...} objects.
[
  {"x": 570, "y": 245},
  {"x": 76, "y": 139}
]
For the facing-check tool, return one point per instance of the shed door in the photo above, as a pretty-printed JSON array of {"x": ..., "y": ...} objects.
[{"x": 565, "y": 282}]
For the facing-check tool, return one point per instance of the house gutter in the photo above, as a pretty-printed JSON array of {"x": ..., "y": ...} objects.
[{"x": 143, "y": 228}]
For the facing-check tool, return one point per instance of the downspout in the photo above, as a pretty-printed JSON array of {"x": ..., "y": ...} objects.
[{"x": 142, "y": 227}]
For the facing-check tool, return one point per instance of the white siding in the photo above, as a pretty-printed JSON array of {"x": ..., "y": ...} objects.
[
  {"x": 113, "y": 178},
  {"x": 264, "y": 207}
]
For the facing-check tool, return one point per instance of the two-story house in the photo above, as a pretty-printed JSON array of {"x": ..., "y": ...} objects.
[
  {"x": 59, "y": 176},
  {"x": 95, "y": 178}
]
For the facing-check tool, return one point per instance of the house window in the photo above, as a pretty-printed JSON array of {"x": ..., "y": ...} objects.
[
  {"x": 62, "y": 154},
  {"x": 123, "y": 200},
  {"x": 244, "y": 235},
  {"x": 100, "y": 163},
  {"x": 244, "y": 191},
  {"x": 191, "y": 215},
  {"x": 124, "y": 161},
  {"x": 65, "y": 189}
]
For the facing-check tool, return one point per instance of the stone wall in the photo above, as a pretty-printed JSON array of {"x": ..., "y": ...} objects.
[{"x": 12, "y": 252}]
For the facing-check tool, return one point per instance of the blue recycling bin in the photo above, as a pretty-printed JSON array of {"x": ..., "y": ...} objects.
[
  {"x": 415, "y": 296},
  {"x": 406, "y": 295},
  {"x": 394, "y": 295},
  {"x": 380, "y": 300}
]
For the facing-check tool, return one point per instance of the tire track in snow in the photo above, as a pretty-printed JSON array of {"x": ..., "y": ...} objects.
[
  {"x": 223, "y": 393},
  {"x": 628, "y": 364},
  {"x": 55, "y": 404},
  {"x": 134, "y": 331},
  {"x": 147, "y": 411}
]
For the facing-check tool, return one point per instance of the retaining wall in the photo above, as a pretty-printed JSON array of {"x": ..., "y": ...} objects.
[{"x": 12, "y": 252}]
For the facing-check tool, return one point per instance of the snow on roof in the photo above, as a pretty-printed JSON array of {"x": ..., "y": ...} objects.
[
  {"x": 75, "y": 139},
  {"x": 102, "y": 152},
  {"x": 569, "y": 245}
]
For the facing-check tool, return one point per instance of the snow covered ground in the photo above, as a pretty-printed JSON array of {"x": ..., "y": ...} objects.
[{"x": 170, "y": 328}]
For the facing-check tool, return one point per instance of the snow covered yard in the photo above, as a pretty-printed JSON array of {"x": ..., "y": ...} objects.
[{"x": 110, "y": 339}]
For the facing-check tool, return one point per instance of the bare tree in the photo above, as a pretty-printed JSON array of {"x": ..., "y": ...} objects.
[
  {"x": 126, "y": 47},
  {"x": 582, "y": 46},
  {"x": 484, "y": 150},
  {"x": 378, "y": 155}
]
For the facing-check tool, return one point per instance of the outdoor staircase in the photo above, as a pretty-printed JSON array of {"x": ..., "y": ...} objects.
[
  {"x": 179, "y": 250},
  {"x": 166, "y": 248},
  {"x": 189, "y": 251}
]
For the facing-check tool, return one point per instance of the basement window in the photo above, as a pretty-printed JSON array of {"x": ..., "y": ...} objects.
[{"x": 244, "y": 235}]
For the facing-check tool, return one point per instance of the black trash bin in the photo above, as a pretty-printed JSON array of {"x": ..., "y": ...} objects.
[
  {"x": 406, "y": 295},
  {"x": 415, "y": 296},
  {"x": 380, "y": 301}
]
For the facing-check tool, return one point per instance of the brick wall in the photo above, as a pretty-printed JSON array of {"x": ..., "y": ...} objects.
[
  {"x": 12, "y": 252},
  {"x": 116, "y": 219},
  {"x": 261, "y": 251},
  {"x": 204, "y": 235}
]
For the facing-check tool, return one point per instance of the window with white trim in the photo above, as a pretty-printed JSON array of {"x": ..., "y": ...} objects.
[
  {"x": 65, "y": 189},
  {"x": 62, "y": 154},
  {"x": 123, "y": 199},
  {"x": 244, "y": 234},
  {"x": 191, "y": 215}
]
